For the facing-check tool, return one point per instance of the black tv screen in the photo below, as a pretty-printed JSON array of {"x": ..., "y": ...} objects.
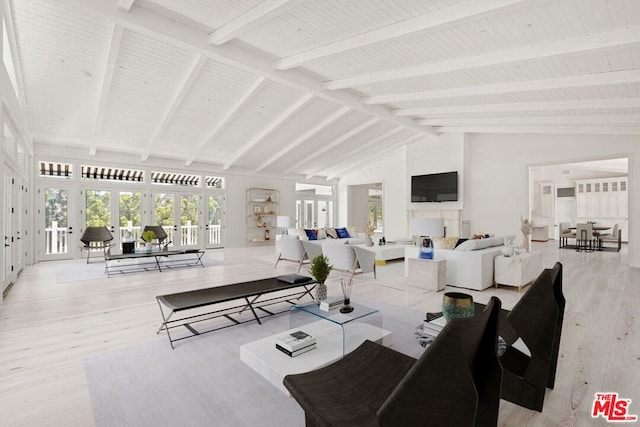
[{"x": 436, "y": 187}]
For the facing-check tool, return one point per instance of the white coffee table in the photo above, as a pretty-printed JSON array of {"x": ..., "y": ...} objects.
[
  {"x": 333, "y": 340},
  {"x": 387, "y": 252}
]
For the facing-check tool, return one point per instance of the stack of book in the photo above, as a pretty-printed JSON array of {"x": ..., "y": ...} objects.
[
  {"x": 434, "y": 326},
  {"x": 295, "y": 343},
  {"x": 330, "y": 303}
]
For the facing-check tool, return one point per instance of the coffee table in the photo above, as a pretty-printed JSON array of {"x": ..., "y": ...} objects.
[{"x": 336, "y": 335}]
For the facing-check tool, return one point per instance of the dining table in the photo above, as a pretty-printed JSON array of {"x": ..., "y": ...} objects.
[{"x": 597, "y": 229}]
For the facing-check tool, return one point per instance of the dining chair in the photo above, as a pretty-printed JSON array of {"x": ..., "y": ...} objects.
[
  {"x": 565, "y": 233},
  {"x": 584, "y": 237}
]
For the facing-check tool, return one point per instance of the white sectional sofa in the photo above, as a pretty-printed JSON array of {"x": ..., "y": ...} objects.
[{"x": 470, "y": 265}]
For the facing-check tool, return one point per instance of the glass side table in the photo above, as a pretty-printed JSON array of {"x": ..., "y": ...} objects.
[{"x": 349, "y": 329}]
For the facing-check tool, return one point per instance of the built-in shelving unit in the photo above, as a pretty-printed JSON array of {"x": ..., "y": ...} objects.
[
  {"x": 262, "y": 210},
  {"x": 604, "y": 200}
]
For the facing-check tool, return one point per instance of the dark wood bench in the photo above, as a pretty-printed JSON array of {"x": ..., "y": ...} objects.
[{"x": 253, "y": 295}]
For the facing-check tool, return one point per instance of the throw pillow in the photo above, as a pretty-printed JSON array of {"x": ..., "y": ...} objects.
[
  {"x": 445, "y": 242},
  {"x": 321, "y": 234},
  {"x": 342, "y": 233},
  {"x": 352, "y": 232},
  {"x": 311, "y": 234},
  {"x": 331, "y": 232}
]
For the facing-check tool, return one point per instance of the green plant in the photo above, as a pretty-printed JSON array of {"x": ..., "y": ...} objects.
[
  {"x": 149, "y": 235},
  {"x": 320, "y": 268}
]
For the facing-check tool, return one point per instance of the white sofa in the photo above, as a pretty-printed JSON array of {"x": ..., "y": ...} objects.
[{"x": 470, "y": 265}]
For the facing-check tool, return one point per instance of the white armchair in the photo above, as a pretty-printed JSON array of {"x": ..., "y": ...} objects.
[
  {"x": 311, "y": 248},
  {"x": 291, "y": 249},
  {"x": 349, "y": 258}
]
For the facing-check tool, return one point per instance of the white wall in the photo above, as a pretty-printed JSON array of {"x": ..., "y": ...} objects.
[
  {"x": 391, "y": 171},
  {"x": 495, "y": 174},
  {"x": 358, "y": 214},
  {"x": 436, "y": 155}
]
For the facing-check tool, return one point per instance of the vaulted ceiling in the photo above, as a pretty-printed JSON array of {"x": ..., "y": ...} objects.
[{"x": 317, "y": 87}]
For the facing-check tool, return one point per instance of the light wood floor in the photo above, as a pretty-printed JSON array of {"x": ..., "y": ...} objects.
[{"x": 48, "y": 327}]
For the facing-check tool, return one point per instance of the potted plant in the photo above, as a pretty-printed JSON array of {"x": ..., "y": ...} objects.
[
  {"x": 148, "y": 237},
  {"x": 320, "y": 270}
]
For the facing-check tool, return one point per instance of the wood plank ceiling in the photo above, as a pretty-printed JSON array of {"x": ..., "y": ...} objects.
[{"x": 313, "y": 88}]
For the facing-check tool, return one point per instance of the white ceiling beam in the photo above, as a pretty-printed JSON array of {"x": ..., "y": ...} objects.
[
  {"x": 587, "y": 104},
  {"x": 176, "y": 101},
  {"x": 270, "y": 127},
  {"x": 258, "y": 15},
  {"x": 19, "y": 102},
  {"x": 228, "y": 116},
  {"x": 360, "y": 149},
  {"x": 177, "y": 34},
  {"x": 584, "y": 80},
  {"x": 321, "y": 150},
  {"x": 449, "y": 15},
  {"x": 600, "y": 119},
  {"x": 613, "y": 39},
  {"x": 302, "y": 138},
  {"x": 370, "y": 157},
  {"x": 105, "y": 87},
  {"x": 125, "y": 5},
  {"x": 565, "y": 130}
]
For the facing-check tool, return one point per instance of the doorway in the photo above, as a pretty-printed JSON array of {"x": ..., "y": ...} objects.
[{"x": 558, "y": 193}]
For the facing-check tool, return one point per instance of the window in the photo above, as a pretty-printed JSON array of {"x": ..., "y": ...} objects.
[
  {"x": 55, "y": 169},
  {"x": 178, "y": 179},
  {"x": 110, "y": 173}
]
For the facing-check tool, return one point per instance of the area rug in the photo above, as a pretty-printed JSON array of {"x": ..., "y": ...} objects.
[
  {"x": 76, "y": 271},
  {"x": 203, "y": 382}
]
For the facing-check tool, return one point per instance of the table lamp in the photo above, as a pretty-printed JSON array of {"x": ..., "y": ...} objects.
[
  {"x": 426, "y": 229},
  {"x": 283, "y": 221}
]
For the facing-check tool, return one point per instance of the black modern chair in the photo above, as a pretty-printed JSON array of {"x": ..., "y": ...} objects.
[
  {"x": 96, "y": 238},
  {"x": 161, "y": 235},
  {"x": 456, "y": 381},
  {"x": 536, "y": 319}
]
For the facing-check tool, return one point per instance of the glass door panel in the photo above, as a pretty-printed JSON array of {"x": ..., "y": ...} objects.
[
  {"x": 56, "y": 237},
  {"x": 98, "y": 209},
  {"x": 215, "y": 221},
  {"x": 163, "y": 214},
  {"x": 130, "y": 216},
  {"x": 189, "y": 219}
]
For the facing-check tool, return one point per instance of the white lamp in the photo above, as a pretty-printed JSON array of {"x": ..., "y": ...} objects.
[
  {"x": 426, "y": 229},
  {"x": 283, "y": 221}
]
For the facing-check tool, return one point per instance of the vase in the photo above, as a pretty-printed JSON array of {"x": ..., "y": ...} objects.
[
  {"x": 321, "y": 292},
  {"x": 457, "y": 305},
  {"x": 525, "y": 243},
  {"x": 508, "y": 249},
  {"x": 369, "y": 241}
]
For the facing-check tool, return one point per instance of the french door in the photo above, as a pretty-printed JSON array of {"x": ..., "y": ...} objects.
[
  {"x": 56, "y": 234},
  {"x": 215, "y": 214},
  {"x": 179, "y": 214},
  {"x": 119, "y": 211}
]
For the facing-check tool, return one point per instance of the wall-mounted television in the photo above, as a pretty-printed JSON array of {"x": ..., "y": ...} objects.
[{"x": 436, "y": 187}]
